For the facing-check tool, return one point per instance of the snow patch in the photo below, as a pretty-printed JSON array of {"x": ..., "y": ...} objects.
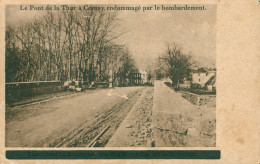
[{"x": 109, "y": 93}]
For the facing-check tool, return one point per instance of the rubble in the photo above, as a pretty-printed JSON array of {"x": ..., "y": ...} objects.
[{"x": 136, "y": 130}]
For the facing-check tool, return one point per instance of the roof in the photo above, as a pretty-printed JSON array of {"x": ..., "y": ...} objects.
[
  {"x": 203, "y": 70},
  {"x": 211, "y": 81}
]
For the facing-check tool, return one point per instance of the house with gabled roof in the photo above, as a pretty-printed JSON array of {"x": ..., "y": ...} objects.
[
  {"x": 202, "y": 75},
  {"x": 211, "y": 83}
]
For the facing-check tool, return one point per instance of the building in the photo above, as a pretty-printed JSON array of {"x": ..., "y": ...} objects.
[
  {"x": 211, "y": 84},
  {"x": 202, "y": 75},
  {"x": 135, "y": 78},
  {"x": 142, "y": 77}
]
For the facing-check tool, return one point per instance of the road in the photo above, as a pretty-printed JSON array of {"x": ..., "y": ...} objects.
[
  {"x": 119, "y": 117},
  {"x": 71, "y": 121}
]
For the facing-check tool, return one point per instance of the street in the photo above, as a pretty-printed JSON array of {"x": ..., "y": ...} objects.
[
  {"x": 119, "y": 117},
  {"x": 70, "y": 121}
]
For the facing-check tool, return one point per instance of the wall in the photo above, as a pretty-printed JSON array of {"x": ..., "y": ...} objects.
[
  {"x": 19, "y": 90},
  {"x": 202, "y": 77},
  {"x": 209, "y": 100}
]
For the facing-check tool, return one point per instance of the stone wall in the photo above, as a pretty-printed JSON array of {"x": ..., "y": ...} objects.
[
  {"x": 209, "y": 100},
  {"x": 20, "y": 90}
]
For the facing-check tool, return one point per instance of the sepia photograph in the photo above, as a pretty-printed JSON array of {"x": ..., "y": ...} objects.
[{"x": 110, "y": 75}]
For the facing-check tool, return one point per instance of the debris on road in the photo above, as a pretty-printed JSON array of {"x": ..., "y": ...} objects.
[
  {"x": 136, "y": 130},
  {"x": 92, "y": 144}
]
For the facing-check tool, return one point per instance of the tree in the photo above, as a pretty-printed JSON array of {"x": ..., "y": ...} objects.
[
  {"x": 150, "y": 70},
  {"x": 11, "y": 61},
  {"x": 66, "y": 45},
  {"x": 176, "y": 63}
]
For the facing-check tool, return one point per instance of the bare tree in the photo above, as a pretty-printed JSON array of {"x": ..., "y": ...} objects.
[
  {"x": 175, "y": 63},
  {"x": 12, "y": 60},
  {"x": 67, "y": 45}
]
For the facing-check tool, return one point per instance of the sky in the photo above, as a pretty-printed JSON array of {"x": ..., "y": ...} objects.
[{"x": 148, "y": 33}]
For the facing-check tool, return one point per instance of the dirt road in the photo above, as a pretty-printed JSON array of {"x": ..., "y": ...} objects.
[
  {"x": 73, "y": 121},
  {"x": 119, "y": 117}
]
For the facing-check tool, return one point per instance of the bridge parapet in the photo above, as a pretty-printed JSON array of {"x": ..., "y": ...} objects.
[{"x": 19, "y": 90}]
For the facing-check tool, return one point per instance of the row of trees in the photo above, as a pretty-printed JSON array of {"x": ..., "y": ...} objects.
[{"x": 67, "y": 45}]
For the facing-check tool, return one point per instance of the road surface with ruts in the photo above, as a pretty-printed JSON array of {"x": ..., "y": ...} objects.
[
  {"x": 118, "y": 117},
  {"x": 79, "y": 120}
]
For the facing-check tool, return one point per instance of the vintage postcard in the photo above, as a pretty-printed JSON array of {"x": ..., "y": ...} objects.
[{"x": 130, "y": 80}]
